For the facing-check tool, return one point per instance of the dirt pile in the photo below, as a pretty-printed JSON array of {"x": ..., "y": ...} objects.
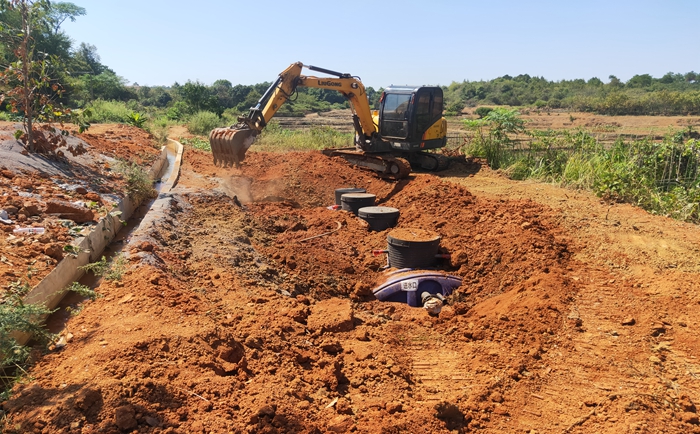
[
  {"x": 235, "y": 316},
  {"x": 61, "y": 194}
]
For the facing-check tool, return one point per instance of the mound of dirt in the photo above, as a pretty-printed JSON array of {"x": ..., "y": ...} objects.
[
  {"x": 247, "y": 307},
  {"x": 62, "y": 194}
]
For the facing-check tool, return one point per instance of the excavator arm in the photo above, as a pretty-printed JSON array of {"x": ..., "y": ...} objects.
[
  {"x": 288, "y": 81},
  {"x": 230, "y": 144}
]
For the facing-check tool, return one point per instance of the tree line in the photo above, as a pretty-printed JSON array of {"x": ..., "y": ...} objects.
[
  {"x": 74, "y": 77},
  {"x": 672, "y": 94}
]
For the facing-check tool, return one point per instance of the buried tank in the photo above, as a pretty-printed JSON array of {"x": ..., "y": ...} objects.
[
  {"x": 339, "y": 192},
  {"x": 379, "y": 218},
  {"x": 417, "y": 288},
  {"x": 354, "y": 201},
  {"x": 412, "y": 248}
]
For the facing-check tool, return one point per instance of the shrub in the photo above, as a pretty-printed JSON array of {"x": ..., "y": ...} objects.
[
  {"x": 483, "y": 111},
  {"x": 136, "y": 119},
  {"x": 160, "y": 128},
  {"x": 201, "y": 123},
  {"x": 139, "y": 185},
  {"x": 16, "y": 316},
  {"x": 100, "y": 111},
  {"x": 230, "y": 116},
  {"x": 109, "y": 270},
  {"x": 173, "y": 113},
  {"x": 84, "y": 291}
]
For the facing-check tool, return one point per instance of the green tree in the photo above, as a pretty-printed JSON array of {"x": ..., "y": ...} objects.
[
  {"x": 59, "y": 12},
  {"x": 640, "y": 81},
  {"x": 85, "y": 60},
  {"x": 26, "y": 85},
  {"x": 223, "y": 92},
  {"x": 199, "y": 97}
]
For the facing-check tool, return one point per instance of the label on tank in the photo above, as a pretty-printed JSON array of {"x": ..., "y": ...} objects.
[{"x": 410, "y": 285}]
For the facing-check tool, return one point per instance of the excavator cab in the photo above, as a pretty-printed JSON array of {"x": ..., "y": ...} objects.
[{"x": 410, "y": 118}]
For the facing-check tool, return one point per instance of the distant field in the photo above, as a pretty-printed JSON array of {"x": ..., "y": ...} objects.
[{"x": 606, "y": 128}]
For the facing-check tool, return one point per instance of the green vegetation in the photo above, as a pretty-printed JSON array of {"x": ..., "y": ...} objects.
[
  {"x": 672, "y": 94},
  {"x": 202, "y": 122},
  {"x": 101, "y": 111},
  {"x": 492, "y": 135},
  {"x": 139, "y": 185},
  {"x": 197, "y": 143},
  {"x": 277, "y": 139},
  {"x": 136, "y": 119},
  {"x": 159, "y": 127},
  {"x": 113, "y": 270},
  {"x": 663, "y": 178},
  {"x": 84, "y": 291},
  {"x": 18, "y": 317}
]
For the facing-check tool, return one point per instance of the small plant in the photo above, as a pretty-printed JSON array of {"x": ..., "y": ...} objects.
[
  {"x": 84, "y": 291},
  {"x": 98, "y": 268},
  {"x": 70, "y": 248},
  {"x": 19, "y": 288},
  {"x": 136, "y": 119},
  {"x": 116, "y": 268},
  {"x": 18, "y": 317},
  {"x": 139, "y": 185},
  {"x": 197, "y": 143},
  {"x": 113, "y": 270}
]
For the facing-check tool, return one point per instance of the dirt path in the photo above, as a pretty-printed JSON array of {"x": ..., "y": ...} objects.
[{"x": 574, "y": 315}]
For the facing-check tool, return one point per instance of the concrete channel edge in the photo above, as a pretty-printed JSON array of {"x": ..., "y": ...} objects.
[{"x": 51, "y": 290}]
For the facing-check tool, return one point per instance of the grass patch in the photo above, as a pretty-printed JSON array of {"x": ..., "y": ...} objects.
[
  {"x": 277, "y": 139},
  {"x": 660, "y": 177},
  {"x": 101, "y": 112},
  {"x": 197, "y": 143}
]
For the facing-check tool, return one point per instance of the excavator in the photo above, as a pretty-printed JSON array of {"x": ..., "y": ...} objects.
[{"x": 389, "y": 141}]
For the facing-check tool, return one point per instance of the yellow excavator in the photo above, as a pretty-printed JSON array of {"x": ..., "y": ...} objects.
[{"x": 409, "y": 122}]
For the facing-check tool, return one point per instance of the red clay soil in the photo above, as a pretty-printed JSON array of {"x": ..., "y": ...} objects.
[
  {"x": 247, "y": 307},
  {"x": 38, "y": 191}
]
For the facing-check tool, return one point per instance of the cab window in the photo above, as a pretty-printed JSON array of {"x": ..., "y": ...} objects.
[
  {"x": 436, "y": 109},
  {"x": 423, "y": 112},
  {"x": 395, "y": 115}
]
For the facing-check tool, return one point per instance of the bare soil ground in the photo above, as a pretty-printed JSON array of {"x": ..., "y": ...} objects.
[
  {"x": 40, "y": 191},
  {"x": 575, "y": 316}
]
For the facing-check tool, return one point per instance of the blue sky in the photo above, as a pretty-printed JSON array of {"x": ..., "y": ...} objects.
[{"x": 390, "y": 42}]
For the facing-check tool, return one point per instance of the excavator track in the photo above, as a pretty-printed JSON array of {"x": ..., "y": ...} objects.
[
  {"x": 429, "y": 161},
  {"x": 387, "y": 166}
]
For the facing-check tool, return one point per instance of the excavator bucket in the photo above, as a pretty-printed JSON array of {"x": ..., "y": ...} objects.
[{"x": 229, "y": 145}]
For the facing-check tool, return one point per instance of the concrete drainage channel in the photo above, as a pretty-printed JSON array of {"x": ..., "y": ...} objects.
[{"x": 50, "y": 291}]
